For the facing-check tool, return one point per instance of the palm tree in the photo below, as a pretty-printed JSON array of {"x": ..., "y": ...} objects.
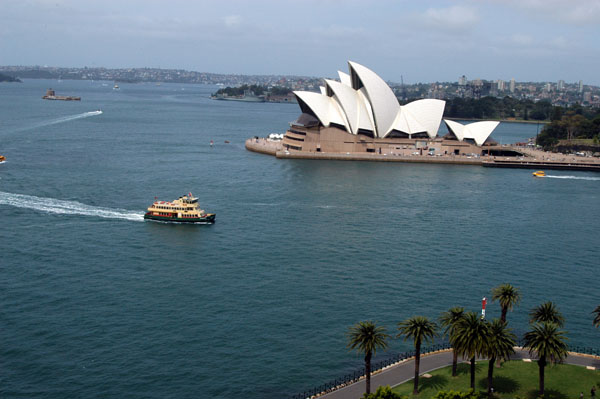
[
  {"x": 420, "y": 329},
  {"x": 546, "y": 312},
  {"x": 366, "y": 337},
  {"x": 508, "y": 296},
  {"x": 449, "y": 320},
  {"x": 547, "y": 342},
  {"x": 597, "y": 318},
  {"x": 470, "y": 339},
  {"x": 500, "y": 345}
]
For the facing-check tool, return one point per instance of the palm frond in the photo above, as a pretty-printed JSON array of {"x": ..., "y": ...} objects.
[
  {"x": 419, "y": 328},
  {"x": 507, "y": 295},
  {"x": 366, "y": 337},
  {"x": 546, "y": 340},
  {"x": 546, "y": 312}
]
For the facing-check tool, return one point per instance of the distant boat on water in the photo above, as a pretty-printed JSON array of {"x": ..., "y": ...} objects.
[
  {"x": 51, "y": 95},
  {"x": 116, "y": 87}
]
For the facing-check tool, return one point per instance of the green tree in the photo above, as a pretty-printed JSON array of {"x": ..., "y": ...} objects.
[
  {"x": 470, "y": 339},
  {"x": 508, "y": 297},
  {"x": 546, "y": 312},
  {"x": 366, "y": 337},
  {"x": 449, "y": 320},
  {"x": 420, "y": 329},
  {"x": 556, "y": 114},
  {"x": 597, "y": 317},
  {"x": 500, "y": 345},
  {"x": 546, "y": 342}
]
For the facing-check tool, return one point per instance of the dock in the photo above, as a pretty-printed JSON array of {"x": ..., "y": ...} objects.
[{"x": 541, "y": 165}]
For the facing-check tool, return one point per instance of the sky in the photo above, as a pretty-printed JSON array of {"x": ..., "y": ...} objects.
[{"x": 419, "y": 40}]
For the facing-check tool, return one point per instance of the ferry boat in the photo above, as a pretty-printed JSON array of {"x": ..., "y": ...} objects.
[
  {"x": 539, "y": 173},
  {"x": 185, "y": 209}
]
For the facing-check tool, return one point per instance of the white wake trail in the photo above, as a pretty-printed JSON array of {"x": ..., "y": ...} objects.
[
  {"x": 63, "y": 207},
  {"x": 573, "y": 177},
  {"x": 62, "y": 119}
]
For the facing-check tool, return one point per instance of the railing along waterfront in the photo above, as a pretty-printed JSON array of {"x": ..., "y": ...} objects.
[{"x": 356, "y": 375}]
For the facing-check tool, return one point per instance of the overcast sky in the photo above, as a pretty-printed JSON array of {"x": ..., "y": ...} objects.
[{"x": 424, "y": 41}]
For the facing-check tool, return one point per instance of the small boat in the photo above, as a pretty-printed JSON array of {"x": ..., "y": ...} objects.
[
  {"x": 539, "y": 173},
  {"x": 2, "y": 158},
  {"x": 185, "y": 209},
  {"x": 116, "y": 87},
  {"x": 226, "y": 141}
]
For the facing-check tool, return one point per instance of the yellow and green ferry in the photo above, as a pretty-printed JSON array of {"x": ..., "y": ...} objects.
[{"x": 185, "y": 209}]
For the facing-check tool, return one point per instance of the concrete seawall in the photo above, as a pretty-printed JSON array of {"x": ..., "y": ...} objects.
[
  {"x": 378, "y": 158},
  {"x": 263, "y": 146},
  {"x": 534, "y": 161}
]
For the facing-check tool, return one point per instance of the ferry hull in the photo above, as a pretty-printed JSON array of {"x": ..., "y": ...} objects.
[{"x": 208, "y": 219}]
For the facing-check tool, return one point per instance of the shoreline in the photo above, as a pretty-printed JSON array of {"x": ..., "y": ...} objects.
[
  {"x": 531, "y": 159},
  {"x": 545, "y": 122}
]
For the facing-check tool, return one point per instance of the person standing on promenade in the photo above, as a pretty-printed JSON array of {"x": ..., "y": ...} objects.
[{"x": 593, "y": 392}]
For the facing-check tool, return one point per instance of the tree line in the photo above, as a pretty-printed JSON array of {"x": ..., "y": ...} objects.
[
  {"x": 575, "y": 122},
  {"x": 7, "y": 78},
  {"x": 498, "y": 108},
  {"x": 257, "y": 89},
  {"x": 471, "y": 337}
]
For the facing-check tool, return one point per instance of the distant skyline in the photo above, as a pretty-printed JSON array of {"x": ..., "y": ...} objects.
[{"x": 422, "y": 41}]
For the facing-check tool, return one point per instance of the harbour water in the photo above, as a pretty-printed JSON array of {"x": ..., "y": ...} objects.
[{"x": 95, "y": 302}]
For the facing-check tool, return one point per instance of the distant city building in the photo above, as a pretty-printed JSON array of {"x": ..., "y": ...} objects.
[
  {"x": 587, "y": 97},
  {"x": 560, "y": 85},
  {"x": 548, "y": 87},
  {"x": 512, "y": 85},
  {"x": 462, "y": 81},
  {"x": 501, "y": 85},
  {"x": 581, "y": 86}
]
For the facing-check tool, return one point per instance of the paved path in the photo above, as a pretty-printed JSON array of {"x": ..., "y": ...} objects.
[{"x": 404, "y": 371}]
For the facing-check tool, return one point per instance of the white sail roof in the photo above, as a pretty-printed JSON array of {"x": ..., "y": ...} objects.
[
  {"x": 362, "y": 101},
  {"x": 457, "y": 129},
  {"x": 383, "y": 101},
  {"x": 406, "y": 123},
  {"x": 345, "y": 78},
  {"x": 428, "y": 112},
  {"x": 478, "y": 131},
  {"x": 325, "y": 108},
  {"x": 352, "y": 106}
]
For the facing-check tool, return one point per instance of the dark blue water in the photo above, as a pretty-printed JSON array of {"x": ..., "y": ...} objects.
[{"x": 94, "y": 302}]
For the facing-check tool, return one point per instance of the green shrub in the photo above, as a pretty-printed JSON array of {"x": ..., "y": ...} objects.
[
  {"x": 458, "y": 395},
  {"x": 384, "y": 392}
]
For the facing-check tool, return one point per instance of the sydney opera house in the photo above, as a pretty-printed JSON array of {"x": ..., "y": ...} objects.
[{"x": 360, "y": 113}]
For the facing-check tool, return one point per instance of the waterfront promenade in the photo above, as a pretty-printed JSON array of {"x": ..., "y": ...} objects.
[
  {"x": 530, "y": 158},
  {"x": 404, "y": 371}
]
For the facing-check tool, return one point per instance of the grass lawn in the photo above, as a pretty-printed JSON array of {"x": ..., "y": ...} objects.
[{"x": 513, "y": 379}]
